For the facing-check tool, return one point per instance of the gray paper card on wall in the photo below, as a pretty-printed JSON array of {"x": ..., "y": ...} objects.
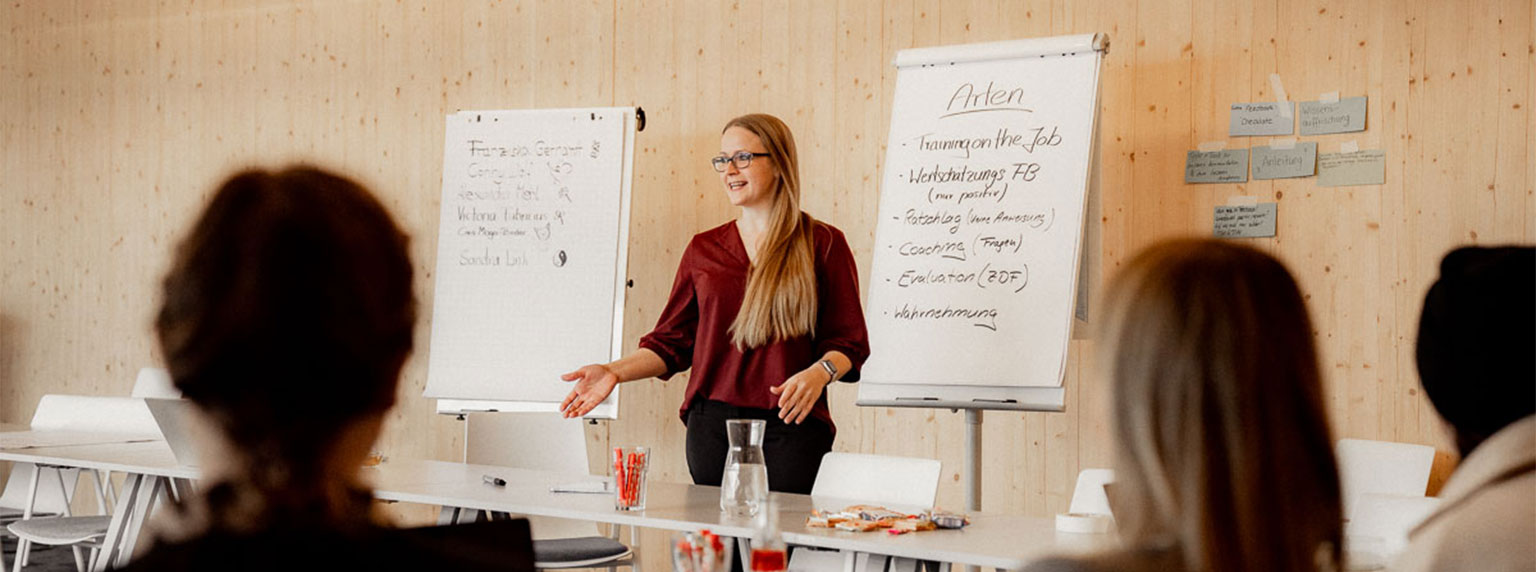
[
  {"x": 1226, "y": 166},
  {"x": 1298, "y": 161},
  {"x": 1342, "y": 116},
  {"x": 1261, "y": 118},
  {"x": 1368, "y": 167},
  {"x": 1245, "y": 221}
]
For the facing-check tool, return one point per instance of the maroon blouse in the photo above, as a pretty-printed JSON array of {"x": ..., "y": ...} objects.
[{"x": 706, "y": 295}]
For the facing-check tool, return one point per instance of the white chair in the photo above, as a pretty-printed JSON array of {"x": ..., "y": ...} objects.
[
  {"x": 903, "y": 484},
  {"x": 77, "y": 532},
  {"x": 548, "y": 442},
  {"x": 46, "y": 497},
  {"x": 122, "y": 416},
  {"x": 154, "y": 382},
  {"x": 1379, "y": 529},
  {"x": 900, "y": 483},
  {"x": 125, "y": 416},
  {"x": 1381, "y": 467}
]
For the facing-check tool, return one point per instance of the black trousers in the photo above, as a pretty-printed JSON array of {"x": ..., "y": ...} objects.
[{"x": 792, "y": 452}]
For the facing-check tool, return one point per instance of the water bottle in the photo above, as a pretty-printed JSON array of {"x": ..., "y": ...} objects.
[
  {"x": 744, "y": 488},
  {"x": 768, "y": 551}
]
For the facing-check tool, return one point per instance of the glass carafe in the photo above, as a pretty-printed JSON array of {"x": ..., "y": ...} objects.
[{"x": 744, "y": 488}]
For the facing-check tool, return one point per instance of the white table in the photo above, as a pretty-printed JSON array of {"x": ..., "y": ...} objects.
[
  {"x": 995, "y": 541},
  {"x": 668, "y": 506},
  {"x": 150, "y": 470},
  {"x": 1005, "y": 542}
]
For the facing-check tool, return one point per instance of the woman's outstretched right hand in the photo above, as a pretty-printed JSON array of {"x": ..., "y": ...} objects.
[{"x": 593, "y": 384}]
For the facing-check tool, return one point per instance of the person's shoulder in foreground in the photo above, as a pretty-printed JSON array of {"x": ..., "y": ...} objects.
[
  {"x": 496, "y": 545},
  {"x": 1487, "y": 517}
]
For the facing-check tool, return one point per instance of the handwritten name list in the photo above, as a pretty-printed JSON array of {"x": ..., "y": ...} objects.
[
  {"x": 514, "y": 199},
  {"x": 527, "y": 247}
]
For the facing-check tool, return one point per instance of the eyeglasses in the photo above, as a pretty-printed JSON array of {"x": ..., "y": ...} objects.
[{"x": 741, "y": 159}]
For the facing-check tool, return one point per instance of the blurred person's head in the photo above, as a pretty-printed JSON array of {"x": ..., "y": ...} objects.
[
  {"x": 286, "y": 317},
  {"x": 1222, "y": 444},
  {"x": 1476, "y": 348}
]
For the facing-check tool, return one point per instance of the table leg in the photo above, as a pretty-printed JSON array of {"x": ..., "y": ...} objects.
[
  {"x": 446, "y": 515},
  {"x": 634, "y": 548},
  {"x": 179, "y": 490},
  {"x": 26, "y": 513},
  {"x": 744, "y": 552},
  {"x": 146, "y": 503},
  {"x": 111, "y": 544}
]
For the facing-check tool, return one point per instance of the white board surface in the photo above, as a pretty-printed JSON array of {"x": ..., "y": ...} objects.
[
  {"x": 980, "y": 225},
  {"x": 530, "y": 256}
]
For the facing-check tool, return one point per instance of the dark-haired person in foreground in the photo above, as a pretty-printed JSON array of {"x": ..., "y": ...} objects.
[
  {"x": 1477, "y": 360},
  {"x": 287, "y": 315},
  {"x": 1223, "y": 454}
]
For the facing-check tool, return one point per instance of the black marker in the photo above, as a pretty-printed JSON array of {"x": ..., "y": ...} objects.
[{"x": 490, "y": 480}]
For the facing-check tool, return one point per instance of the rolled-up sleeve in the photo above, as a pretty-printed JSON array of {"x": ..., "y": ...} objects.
[
  {"x": 677, "y": 328},
  {"x": 839, "y": 316}
]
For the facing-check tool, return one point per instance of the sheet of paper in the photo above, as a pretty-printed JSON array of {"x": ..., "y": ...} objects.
[
  {"x": 59, "y": 438},
  {"x": 1260, "y": 118},
  {"x": 583, "y": 487},
  {"x": 1245, "y": 221},
  {"x": 1343, "y": 116},
  {"x": 1368, "y": 167},
  {"x": 1272, "y": 163},
  {"x": 1227, "y": 166}
]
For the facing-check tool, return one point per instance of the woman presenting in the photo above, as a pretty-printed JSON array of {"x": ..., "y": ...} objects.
[{"x": 764, "y": 309}]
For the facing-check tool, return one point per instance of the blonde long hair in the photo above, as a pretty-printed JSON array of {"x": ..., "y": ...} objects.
[
  {"x": 1222, "y": 443},
  {"x": 780, "y": 301}
]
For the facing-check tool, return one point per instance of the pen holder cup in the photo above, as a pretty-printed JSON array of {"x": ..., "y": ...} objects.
[{"x": 630, "y": 465}]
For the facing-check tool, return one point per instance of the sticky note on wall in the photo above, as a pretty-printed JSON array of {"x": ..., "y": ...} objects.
[
  {"x": 1226, "y": 166},
  {"x": 1245, "y": 221},
  {"x": 1342, "y": 116},
  {"x": 1368, "y": 167},
  {"x": 1275, "y": 163},
  {"x": 1261, "y": 118}
]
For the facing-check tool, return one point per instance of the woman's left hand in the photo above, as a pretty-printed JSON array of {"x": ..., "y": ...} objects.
[{"x": 798, "y": 394}]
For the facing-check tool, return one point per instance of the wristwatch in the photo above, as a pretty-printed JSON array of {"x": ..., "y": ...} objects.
[{"x": 831, "y": 368}]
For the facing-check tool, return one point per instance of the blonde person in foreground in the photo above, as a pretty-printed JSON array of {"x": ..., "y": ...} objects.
[{"x": 1223, "y": 454}]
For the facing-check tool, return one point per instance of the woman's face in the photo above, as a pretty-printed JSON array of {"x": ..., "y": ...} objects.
[{"x": 751, "y": 187}]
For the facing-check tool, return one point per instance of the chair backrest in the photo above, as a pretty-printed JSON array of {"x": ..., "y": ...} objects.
[
  {"x": 1382, "y": 467},
  {"x": 1089, "y": 497},
  {"x": 899, "y": 483},
  {"x": 155, "y": 382},
  {"x": 538, "y": 441},
  {"x": 124, "y": 415},
  {"x": 50, "y": 498}
]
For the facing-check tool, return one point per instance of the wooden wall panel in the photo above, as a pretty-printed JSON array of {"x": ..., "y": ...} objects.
[{"x": 118, "y": 117}]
